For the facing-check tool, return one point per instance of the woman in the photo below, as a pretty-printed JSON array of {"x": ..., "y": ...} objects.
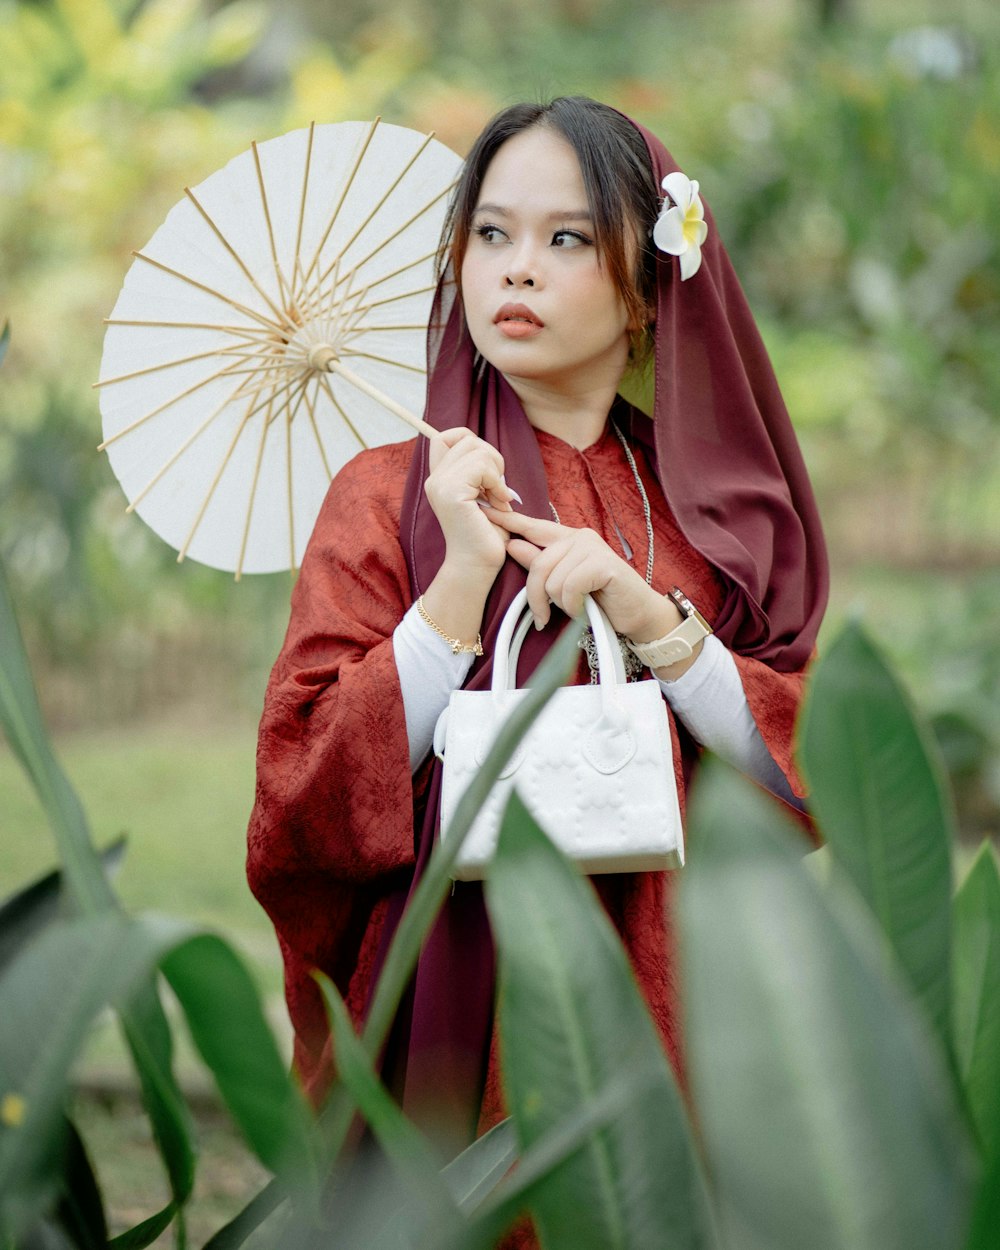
[{"x": 541, "y": 474}]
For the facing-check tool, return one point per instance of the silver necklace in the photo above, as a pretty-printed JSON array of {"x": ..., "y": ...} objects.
[{"x": 633, "y": 665}]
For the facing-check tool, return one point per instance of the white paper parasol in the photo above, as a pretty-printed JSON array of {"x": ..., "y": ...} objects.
[{"x": 273, "y": 326}]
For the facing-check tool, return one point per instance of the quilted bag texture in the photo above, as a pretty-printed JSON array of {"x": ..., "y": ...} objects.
[{"x": 595, "y": 769}]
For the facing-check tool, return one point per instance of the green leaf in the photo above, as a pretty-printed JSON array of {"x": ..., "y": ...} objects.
[
  {"x": 26, "y": 913},
  {"x": 76, "y": 1220},
  {"x": 473, "y": 1175},
  {"x": 21, "y": 720},
  {"x": 245, "y": 1223},
  {"x": 977, "y": 994},
  {"x": 146, "y": 1232},
  {"x": 51, "y": 994},
  {"x": 224, "y": 1013},
  {"x": 80, "y": 1210},
  {"x": 94, "y": 27},
  {"x": 147, "y": 1034},
  {"x": 571, "y": 1020},
  {"x": 404, "y": 1145},
  {"x": 516, "y": 1193},
  {"x": 4, "y": 340},
  {"x": 47, "y": 1235},
  {"x": 471, "y": 1178},
  {"x": 829, "y": 1118},
  {"x": 878, "y": 793},
  {"x": 233, "y": 32},
  {"x": 986, "y": 1213},
  {"x": 142, "y": 1018},
  {"x": 414, "y": 1162}
]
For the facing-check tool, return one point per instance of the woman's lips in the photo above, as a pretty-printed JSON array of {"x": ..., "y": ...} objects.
[{"x": 516, "y": 321}]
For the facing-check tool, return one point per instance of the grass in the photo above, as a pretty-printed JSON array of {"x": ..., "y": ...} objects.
[
  {"x": 131, "y": 1175},
  {"x": 181, "y": 794}
]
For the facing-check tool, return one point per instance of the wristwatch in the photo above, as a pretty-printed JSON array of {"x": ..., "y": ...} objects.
[{"x": 680, "y": 643}]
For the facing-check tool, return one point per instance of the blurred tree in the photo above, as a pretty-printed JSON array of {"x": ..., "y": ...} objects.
[{"x": 98, "y": 132}]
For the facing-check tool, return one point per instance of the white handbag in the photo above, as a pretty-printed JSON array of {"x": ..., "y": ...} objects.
[{"x": 595, "y": 769}]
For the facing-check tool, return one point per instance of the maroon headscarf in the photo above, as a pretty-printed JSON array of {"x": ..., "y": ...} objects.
[
  {"x": 726, "y": 457},
  {"x": 724, "y": 451}
]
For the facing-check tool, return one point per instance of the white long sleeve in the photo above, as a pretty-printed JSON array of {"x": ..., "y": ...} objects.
[
  {"x": 428, "y": 672},
  {"x": 710, "y": 702}
]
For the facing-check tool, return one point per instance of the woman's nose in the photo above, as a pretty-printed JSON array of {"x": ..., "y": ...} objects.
[{"x": 522, "y": 264}]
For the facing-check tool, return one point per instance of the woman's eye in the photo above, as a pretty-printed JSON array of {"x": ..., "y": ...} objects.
[
  {"x": 490, "y": 234},
  {"x": 569, "y": 238}
]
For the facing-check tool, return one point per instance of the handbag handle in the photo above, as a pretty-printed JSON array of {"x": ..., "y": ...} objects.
[
  {"x": 514, "y": 628},
  {"x": 610, "y": 742}
]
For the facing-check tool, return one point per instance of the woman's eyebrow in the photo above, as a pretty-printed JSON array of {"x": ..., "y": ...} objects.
[{"x": 573, "y": 214}]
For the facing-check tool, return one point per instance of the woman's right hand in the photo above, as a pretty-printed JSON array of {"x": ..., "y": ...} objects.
[{"x": 465, "y": 470}]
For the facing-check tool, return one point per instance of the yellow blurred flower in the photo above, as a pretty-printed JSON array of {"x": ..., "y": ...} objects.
[{"x": 13, "y": 1109}]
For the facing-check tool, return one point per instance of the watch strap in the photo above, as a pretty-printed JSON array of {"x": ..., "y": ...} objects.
[{"x": 680, "y": 643}]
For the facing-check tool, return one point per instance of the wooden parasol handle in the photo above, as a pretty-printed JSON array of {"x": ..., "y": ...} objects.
[{"x": 333, "y": 365}]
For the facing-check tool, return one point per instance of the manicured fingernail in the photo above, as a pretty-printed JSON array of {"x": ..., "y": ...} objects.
[
  {"x": 513, "y": 493},
  {"x": 483, "y": 504},
  {"x": 539, "y": 623}
]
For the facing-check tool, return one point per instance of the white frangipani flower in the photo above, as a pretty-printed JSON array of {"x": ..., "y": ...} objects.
[{"x": 680, "y": 229}]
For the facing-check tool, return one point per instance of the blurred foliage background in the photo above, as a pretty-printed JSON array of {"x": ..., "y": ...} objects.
[{"x": 851, "y": 153}]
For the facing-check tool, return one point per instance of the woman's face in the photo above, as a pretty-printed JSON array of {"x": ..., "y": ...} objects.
[{"x": 538, "y": 304}]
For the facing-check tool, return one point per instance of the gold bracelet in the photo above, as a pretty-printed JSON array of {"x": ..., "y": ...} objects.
[{"x": 458, "y": 647}]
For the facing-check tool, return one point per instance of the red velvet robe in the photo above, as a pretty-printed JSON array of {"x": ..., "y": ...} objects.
[{"x": 332, "y": 830}]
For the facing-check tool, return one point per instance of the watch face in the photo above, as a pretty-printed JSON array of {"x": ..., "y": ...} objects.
[{"x": 682, "y": 601}]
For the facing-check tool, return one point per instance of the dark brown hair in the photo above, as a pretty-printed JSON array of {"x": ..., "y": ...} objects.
[{"x": 621, "y": 190}]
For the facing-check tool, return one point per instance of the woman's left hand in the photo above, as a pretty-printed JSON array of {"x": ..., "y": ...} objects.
[{"x": 564, "y": 564}]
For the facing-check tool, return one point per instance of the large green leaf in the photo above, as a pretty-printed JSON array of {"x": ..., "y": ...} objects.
[
  {"x": 878, "y": 793},
  {"x": 87, "y": 887},
  {"x": 147, "y": 1034},
  {"x": 533, "y": 1175},
  {"x": 24, "y": 914},
  {"x": 986, "y": 1213},
  {"x": 226, "y": 1018},
  {"x": 977, "y": 994},
  {"x": 404, "y": 1145},
  {"x": 977, "y": 1001},
  {"x": 21, "y": 720},
  {"x": 829, "y": 1117},
  {"x": 77, "y": 1220},
  {"x": 80, "y": 1209},
  {"x": 50, "y": 995},
  {"x": 571, "y": 1020},
  {"x": 382, "y": 1208}
]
